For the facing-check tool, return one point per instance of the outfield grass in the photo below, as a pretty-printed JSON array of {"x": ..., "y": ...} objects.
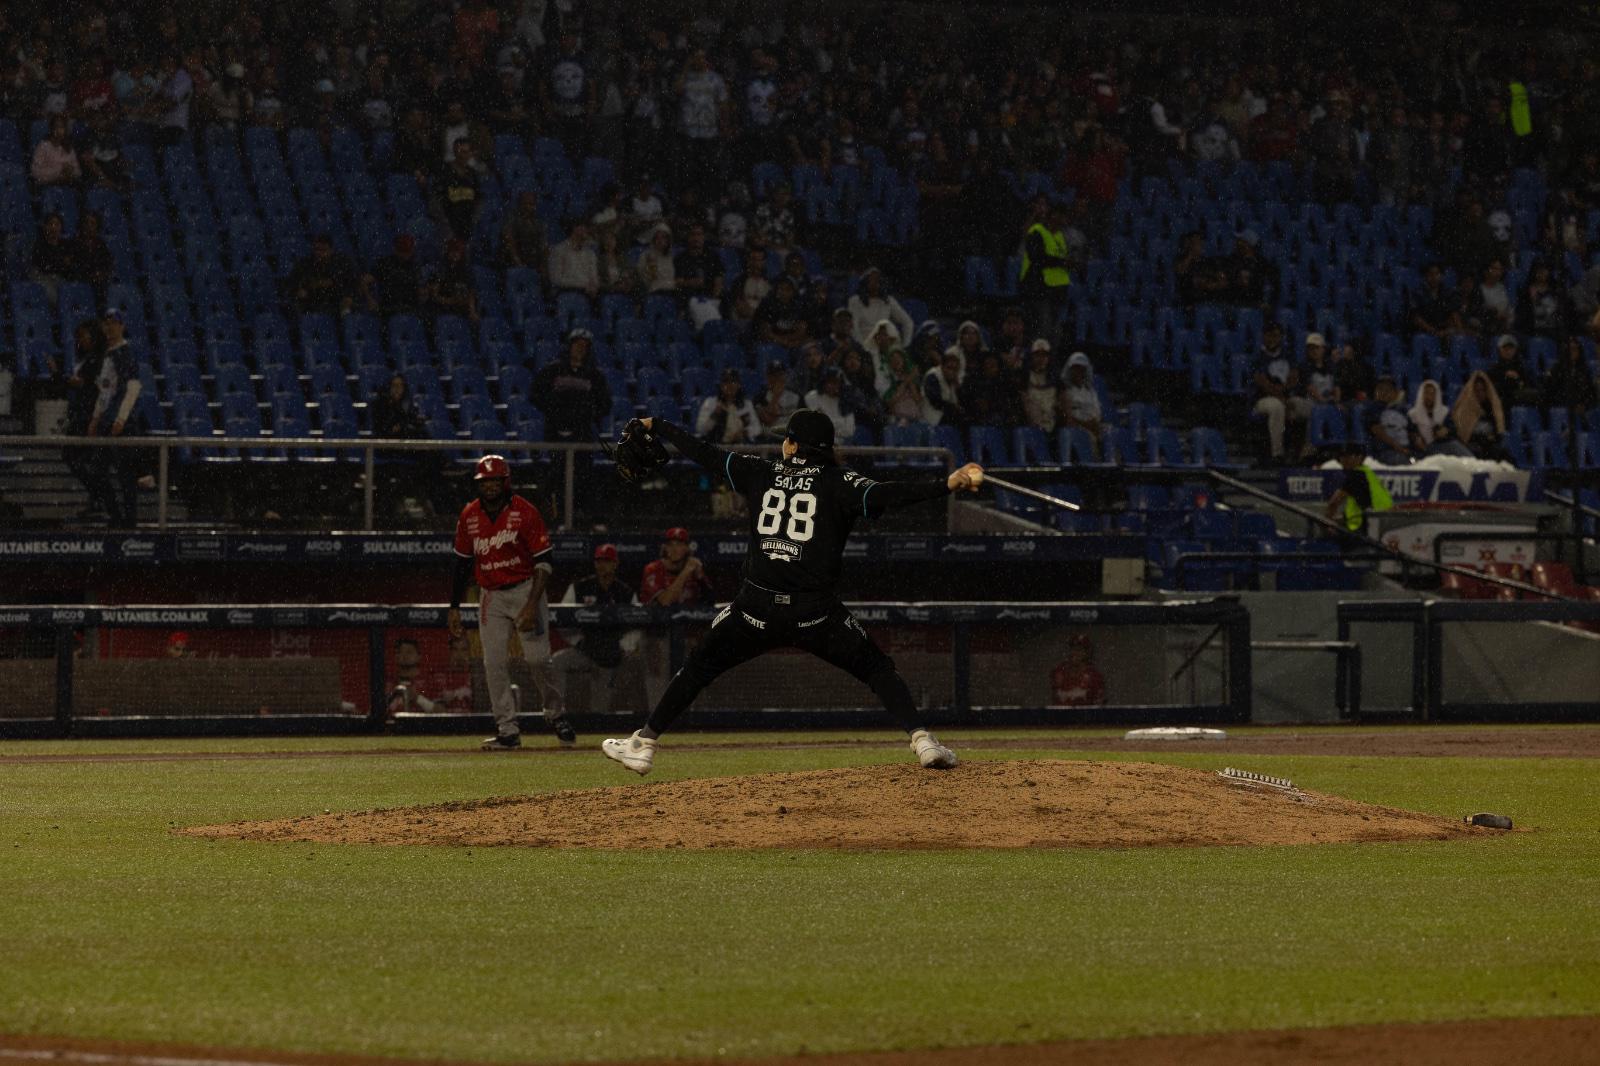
[{"x": 110, "y": 926}]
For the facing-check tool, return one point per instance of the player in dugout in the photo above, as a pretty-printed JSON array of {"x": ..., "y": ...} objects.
[{"x": 802, "y": 508}]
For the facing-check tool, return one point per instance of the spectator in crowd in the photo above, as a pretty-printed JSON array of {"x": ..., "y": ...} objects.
[
  {"x": 118, "y": 413},
  {"x": 394, "y": 286},
  {"x": 732, "y": 214},
  {"x": 102, "y": 161},
  {"x": 460, "y": 190},
  {"x": 1334, "y": 146},
  {"x": 1277, "y": 390},
  {"x": 809, "y": 367},
  {"x": 229, "y": 101},
  {"x": 879, "y": 354},
  {"x": 902, "y": 397},
  {"x": 841, "y": 337},
  {"x": 1432, "y": 427},
  {"x": 1076, "y": 681},
  {"x": 837, "y": 399},
  {"x": 1569, "y": 383},
  {"x": 657, "y": 268},
  {"x": 1542, "y": 308},
  {"x": 1079, "y": 399},
  {"x": 451, "y": 291},
  {"x": 1200, "y": 279},
  {"x": 1432, "y": 308},
  {"x": 90, "y": 257},
  {"x": 774, "y": 227},
  {"x": 728, "y": 418},
  {"x": 990, "y": 396},
  {"x": 50, "y": 262},
  {"x": 1251, "y": 280},
  {"x": 615, "y": 273},
  {"x": 597, "y": 650},
  {"x": 1045, "y": 276},
  {"x": 969, "y": 339},
  {"x": 568, "y": 95},
  {"x": 1317, "y": 377},
  {"x": 861, "y": 385},
  {"x": 323, "y": 282},
  {"x": 750, "y": 290},
  {"x": 676, "y": 578},
  {"x": 1509, "y": 376},
  {"x": 1389, "y": 426},
  {"x": 777, "y": 401},
  {"x": 393, "y": 413},
  {"x": 1496, "y": 310},
  {"x": 703, "y": 119},
  {"x": 1480, "y": 419},
  {"x": 574, "y": 266},
  {"x": 781, "y": 318},
  {"x": 872, "y": 303},
  {"x": 55, "y": 160},
  {"x": 1011, "y": 341},
  {"x": 698, "y": 270},
  {"x": 524, "y": 240},
  {"x": 941, "y": 391},
  {"x": 83, "y": 391},
  {"x": 1041, "y": 395},
  {"x": 1352, "y": 376},
  {"x": 645, "y": 211},
  {"x": 571, "y": 392}
]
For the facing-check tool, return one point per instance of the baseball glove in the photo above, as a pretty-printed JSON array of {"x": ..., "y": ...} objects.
[{"x": 637, "y": 452}]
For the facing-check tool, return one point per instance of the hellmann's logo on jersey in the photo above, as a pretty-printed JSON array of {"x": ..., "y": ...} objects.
[
  {"x": 780, "y": 550},
  {"x": 485, "y": 545}
]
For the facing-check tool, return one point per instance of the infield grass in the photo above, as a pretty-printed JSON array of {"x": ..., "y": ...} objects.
[{"x": 113, "y": 927}]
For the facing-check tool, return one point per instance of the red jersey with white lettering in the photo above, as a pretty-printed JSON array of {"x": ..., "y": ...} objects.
[
  {"x": 658, "y": 577},
  {"x": 1077, "y": 686},
  {"x": 504, "y": 547}
]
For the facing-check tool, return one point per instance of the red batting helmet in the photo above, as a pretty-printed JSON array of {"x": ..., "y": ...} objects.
[{"x": 492, "y": 466}]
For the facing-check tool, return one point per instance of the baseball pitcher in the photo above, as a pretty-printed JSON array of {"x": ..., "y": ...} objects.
[{"x": 802, "y": 507}]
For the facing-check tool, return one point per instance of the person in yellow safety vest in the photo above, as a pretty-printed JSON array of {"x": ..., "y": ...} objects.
[
  {"x": 1361, "y": 492},
  {"x": 1521, "y": 113},
  {"x": 1043, "y": 280}
]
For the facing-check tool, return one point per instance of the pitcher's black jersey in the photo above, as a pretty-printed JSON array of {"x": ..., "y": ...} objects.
[{"x": 801, "y": 514}]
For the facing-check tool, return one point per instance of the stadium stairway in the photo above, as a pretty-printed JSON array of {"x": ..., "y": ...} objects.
[{"x": 37, "y": 480}]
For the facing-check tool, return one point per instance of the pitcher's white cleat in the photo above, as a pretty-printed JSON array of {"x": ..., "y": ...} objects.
[
  {"x": 932, "y": 754},
  {"x": 635, "y": 752}
]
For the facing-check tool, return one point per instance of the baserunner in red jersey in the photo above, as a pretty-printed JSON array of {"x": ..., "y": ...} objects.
[{"x": 502, "y": 544}]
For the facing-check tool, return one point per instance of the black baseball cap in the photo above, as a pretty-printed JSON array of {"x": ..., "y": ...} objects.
[{"x": 811, "y": 428}]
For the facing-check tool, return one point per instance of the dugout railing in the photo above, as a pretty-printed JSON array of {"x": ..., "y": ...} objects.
[
  {"x": 284, "y": 669},
  {"x": 1425, "y": 622}
]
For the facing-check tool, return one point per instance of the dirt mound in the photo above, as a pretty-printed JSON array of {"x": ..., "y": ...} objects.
[{"x": 1023, "y": 804}]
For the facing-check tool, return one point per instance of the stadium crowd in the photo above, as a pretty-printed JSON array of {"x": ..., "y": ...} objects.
[{"x": 999, "y": 144}]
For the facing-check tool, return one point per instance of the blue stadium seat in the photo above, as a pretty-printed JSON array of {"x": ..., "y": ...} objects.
[
  {"x": 1209, "y": 449},
  {"x": 1030, "y": 447},
  {"x": 1164, "y": 448},
  {"x": 1327, "y": 426},
  {"x": 989, "y": 446},
  {"x": 1074, "y": 446},
  {"x": 1119, "y": 446}
]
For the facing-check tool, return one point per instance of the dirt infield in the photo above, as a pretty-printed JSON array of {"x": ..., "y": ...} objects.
[
  {"x": 1031, "y": 803},
  {"x": 1480, "y": 1042}
]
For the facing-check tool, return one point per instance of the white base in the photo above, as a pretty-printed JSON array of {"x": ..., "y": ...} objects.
[{"x": 1176, "y": 732}]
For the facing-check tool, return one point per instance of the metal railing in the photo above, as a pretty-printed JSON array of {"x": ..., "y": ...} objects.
[{"x": 369, "y": 447}]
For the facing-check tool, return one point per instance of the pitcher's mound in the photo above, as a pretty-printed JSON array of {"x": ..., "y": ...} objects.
[{"x": 1031, "y": 804}]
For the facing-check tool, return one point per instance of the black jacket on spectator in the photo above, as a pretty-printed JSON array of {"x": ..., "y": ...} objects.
[{"x": 574, "y": 399}]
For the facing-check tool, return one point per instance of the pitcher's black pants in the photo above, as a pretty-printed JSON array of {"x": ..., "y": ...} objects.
[{"x": 758, "y": 621}]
